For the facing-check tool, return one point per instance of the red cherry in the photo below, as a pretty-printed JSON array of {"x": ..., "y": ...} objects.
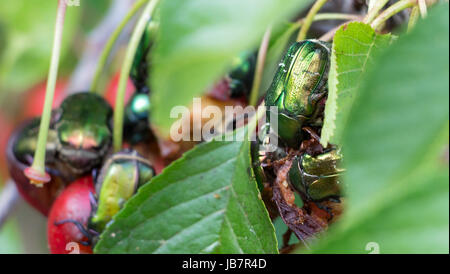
[
  {"x": 40, "y": 198},
  {"x": 35, "y": 98},
  {"x": 72, "y": 204},
  {"x": 110, "y": 93}
]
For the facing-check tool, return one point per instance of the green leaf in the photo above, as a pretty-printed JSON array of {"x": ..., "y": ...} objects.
[
  {"x": 29, "y": 27},
  {"x": 397, "y": 175},
  {"x": 355, "y": 46},
  {"x": 414, "y": 222},
  {"x": 198, "y": 39},
  {"x": 205, "y": 202}
]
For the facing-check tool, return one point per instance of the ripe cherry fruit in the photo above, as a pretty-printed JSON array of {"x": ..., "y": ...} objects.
[{"x": 69, "y": 212}]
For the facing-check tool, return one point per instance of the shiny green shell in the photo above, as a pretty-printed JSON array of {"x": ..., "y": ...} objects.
[
  {"x": 139, "y": 107},
  {"x": 241, "y": 75},
  {"x": 84, "y": 121},
  {"x": 298, "y": 85},
  {"x": 136, "y": 123},
  {"x": 119, "y": 178},
  {"x": 83, "y": 130},
  {"x": 79, "y": 135},
  {"x": 139, "y": 69},
  {"x": 317, "y": 177}
]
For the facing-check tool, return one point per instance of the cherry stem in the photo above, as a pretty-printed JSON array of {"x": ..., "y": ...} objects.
[
  {"x": 374, "y": 9},
  {"x": 38, "y": 166},
  {"x": 262, "y": 53},
  {"x": 391, "y": 11},
  {"x": 335, "y": 16},
  {"x": 332, "y": 16},
  {"x": 125, "y": 72},
  {"x": 328, "y": 36},
  {"x": 309, "y": 19},
  {"x": 413, "y": 17},
  {"x": 422, "y": 8},
  {"x": 110, "y": 44}
]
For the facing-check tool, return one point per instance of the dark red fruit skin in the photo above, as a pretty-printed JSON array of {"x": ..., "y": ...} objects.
[
  {"x": 111, "y": 91},
  {"x": 72, "y": 204},
  {"x": 35, "y": 98},
  {"x": 41, "y": 198}
]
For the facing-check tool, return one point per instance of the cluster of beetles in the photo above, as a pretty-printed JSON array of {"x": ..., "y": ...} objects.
[{"x": 299, "y": 181}]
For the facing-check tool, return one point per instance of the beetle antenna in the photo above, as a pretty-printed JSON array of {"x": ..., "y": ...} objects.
[{"x": 95, "y": 174}]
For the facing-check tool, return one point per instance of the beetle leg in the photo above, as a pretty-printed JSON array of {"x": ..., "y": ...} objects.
[
  {"x": 79, "y": 226},
  {"x": 93, "y": 203},
  {"x": 94, "y": 232},
  {"x": 312, "y": 133},
  {"x": 92, "y": 200},
  {"x": 85, "y": 243},
  {"x": 95, "y": 174}
]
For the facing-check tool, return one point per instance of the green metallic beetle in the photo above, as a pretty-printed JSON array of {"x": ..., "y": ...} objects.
[
  {"x": 241, "y": 75},
  {"x": 317, "y": 178},
  {"x": 79, "y": 135},
  {"x": 136, "y": 123},
  {"x": 139, "y": 69},
  {"x": 26, "y": 144},
  {"x": 298, "y": 85},
  {"x": 120, "y": 177},
  {"x": 84, "y": 131}
]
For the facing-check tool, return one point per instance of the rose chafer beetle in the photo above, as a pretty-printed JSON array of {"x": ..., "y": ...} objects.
[
  {"x": 84, "y": 131},
  {"x": 317, "y": 177},
  {"x": 298, "y": 85},
  {"x": 136, "y": 122},
  {"x": 241, "y": 75},
  {"x": 139, "y": 69},
  {"x": 120, "y": 177},
  {"x": 19, "y": 157},
  {"x": 78, "y": 139},
  {"x": 79, "y": 135}
]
